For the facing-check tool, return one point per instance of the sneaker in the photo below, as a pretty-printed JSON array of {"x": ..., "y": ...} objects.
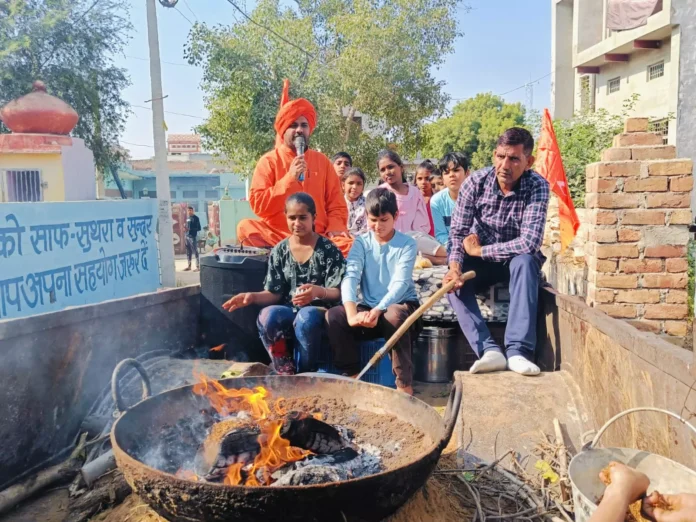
[{"x": 187, "y": 269}]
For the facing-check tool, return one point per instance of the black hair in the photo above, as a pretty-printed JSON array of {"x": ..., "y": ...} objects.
[
  {"x": 354, "y": 171},
  {"x": 190, "y": 208},
  {"x": 381, "y": 201},
  {"x": 342, "y": 155},
  {"x": 428, "y": 166},
  {"x": 302, "y": 198},
  {"x": 458, "y": 159},
  {"x": 392, "y": 156},
  {"x": 517, "y": 136}
]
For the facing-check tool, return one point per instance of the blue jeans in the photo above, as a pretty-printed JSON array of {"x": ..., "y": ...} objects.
[
  {"x": 523, "y": 274},
  {"x": 282, "y": 330}
]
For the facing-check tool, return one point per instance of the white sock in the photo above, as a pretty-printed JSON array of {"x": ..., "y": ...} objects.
[
  {"x": 519, "y": 364},
  {"x": 492, "y": 361}
]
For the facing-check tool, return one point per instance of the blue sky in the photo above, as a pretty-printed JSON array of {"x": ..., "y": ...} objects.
[{"x": 506, "y": 43}]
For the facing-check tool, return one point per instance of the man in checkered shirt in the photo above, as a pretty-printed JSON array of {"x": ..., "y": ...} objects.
[{"x": 497, "y": 231}]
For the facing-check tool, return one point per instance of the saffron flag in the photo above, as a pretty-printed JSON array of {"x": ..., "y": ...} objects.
[{"x": 550, "y": 165}]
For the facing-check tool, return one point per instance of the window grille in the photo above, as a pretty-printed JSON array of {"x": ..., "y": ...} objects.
[
  {"x": 614, "y": 85},
  {"x": 656, "y": 70},
  {"x": 661, "y": 127},
  {"x": 22, "y": 186}
]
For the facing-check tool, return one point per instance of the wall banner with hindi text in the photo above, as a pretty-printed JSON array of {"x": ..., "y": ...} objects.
[{"x": 55, "y": 255}]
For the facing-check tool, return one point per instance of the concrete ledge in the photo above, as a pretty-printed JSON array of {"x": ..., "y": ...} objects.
[{"x": 37, "y": 323}]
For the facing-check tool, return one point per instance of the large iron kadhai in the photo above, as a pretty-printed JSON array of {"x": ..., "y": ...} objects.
[{"x": 370, "y": 498}]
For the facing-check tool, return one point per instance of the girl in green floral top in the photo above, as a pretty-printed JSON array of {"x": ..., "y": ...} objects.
[{"x": 303, "y": 280}]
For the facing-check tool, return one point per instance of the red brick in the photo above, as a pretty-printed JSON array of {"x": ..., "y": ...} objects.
[
  {"x": 665, "y": 311},
  {"x": 680, "y": 167},
  {"x": 680, "y": 217},
  {"x": 668, "y": 200},
  {"x": 603, "y": 185},
  {"x": 678, "y": 328},
  {"x": 618, "y": 169},
  {"x": 609, "y": 251},
  {"x": 603, "y": 235},
  {"x": 599, "y": 295},
  {"x": 665, "y": 251},
  {"x": 677, "y": 297},
  {"x": 619, "y": 311},
  {"x": 603, "y": 217},
  {"x": 636, "y": 266},
  {"x": 647, "y": 326},
  {"x": 644, "y": 217},
  {"x": 645, "y": 185},
  {"x": 616, "y": 281},
  {"x": 663, "y": 152},
  {"x": 629, "y": 234},
  {"x": 620, "y": 154},
  {"x": 665, "y": 281},
  {"x": 677, "y": 265},
  {"x": 682, "y": 184},
  {"x": 638, "y": 296},
  {"x": 636, "y": 125},
  {"x": 606, "y": 266},
  {"x": 637, "y": 138},
  {"x": 616, "y": 201}
]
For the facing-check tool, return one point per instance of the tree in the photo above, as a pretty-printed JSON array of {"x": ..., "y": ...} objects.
[
  {"x": 373, "y": 57},
  {"x": 473, "y": 128},
  {"x": 69, "y": 44}
]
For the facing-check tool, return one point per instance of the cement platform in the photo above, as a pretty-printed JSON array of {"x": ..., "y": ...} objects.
[{"x": 504, "y": 410}]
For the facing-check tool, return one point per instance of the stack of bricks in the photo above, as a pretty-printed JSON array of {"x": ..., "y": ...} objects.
[{"x": 639, "y": 211}]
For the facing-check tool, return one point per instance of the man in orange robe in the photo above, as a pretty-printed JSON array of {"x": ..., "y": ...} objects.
[{"x": 281, "y": 172}]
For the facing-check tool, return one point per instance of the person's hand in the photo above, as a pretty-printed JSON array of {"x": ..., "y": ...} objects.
[
  {"x": 239, "y": 301},
  {"x": 370, "y": 318},
  {"x": 670, "y": 508},
  {"x": 305, "y": 294},
  {"x": 338, "y": 233},
  {"x": 357, "y": 319},
  {"x": 453, "y": 273},
  {"x": 472, "y": 245},
  {"x": 297, "y": 167},
  {"x": 624, "y": 482}
]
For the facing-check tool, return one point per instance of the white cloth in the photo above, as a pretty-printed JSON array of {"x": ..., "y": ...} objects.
[{"x": 623, "y": 15}]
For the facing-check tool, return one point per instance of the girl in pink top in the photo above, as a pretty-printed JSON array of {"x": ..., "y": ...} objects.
[{"x": 413, "y": 214}]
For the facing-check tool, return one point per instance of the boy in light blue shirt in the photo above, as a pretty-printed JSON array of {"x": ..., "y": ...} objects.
[
  {"x": 381, "y": 264},
  {"x": 454, "y": 167}
]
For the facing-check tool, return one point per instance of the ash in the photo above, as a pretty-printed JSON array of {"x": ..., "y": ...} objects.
[{"x": 323, "y": 469}]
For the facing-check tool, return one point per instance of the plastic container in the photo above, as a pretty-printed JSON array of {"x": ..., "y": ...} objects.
[{"x": 380, "y": 374}]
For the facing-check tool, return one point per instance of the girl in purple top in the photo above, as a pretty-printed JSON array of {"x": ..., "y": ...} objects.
[{"x": 413, "y": 214}]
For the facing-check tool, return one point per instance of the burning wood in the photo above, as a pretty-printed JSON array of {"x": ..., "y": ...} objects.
[{"x": 255, "y": 442}]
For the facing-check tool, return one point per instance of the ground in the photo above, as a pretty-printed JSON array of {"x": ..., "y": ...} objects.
[{"x": 185, "y": 278}]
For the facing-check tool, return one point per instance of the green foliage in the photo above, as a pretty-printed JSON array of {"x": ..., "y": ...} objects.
[
  {"x": 473, "y": 128},
  {"x": 68, "y": 44},
  {"x": 582, "y": 139},
  {"x": 373, "y": 57}
]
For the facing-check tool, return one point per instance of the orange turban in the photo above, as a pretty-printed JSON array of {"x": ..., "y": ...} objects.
[{"x": 290, "y": 111}]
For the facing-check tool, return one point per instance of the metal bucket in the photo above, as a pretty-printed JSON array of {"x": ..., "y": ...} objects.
[
  {"x": 666, "y": 476},
  {"x": 435, "y": 355}
]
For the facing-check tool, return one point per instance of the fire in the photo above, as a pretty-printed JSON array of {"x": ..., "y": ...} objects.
[
  {"x": 275, "y": 451},
  {"x": 186, "y": 474},
  {"x": 217, "y": 348}
]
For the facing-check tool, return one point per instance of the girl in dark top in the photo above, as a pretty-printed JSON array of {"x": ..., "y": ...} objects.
[{"x": 303, "y": 280}]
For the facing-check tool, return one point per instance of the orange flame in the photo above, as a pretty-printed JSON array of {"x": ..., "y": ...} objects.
[
  {"x": 275, "y": 451},
  {"x": 217, "y": 348}
]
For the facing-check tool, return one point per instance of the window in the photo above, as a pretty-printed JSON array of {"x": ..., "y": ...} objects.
[
  {"x": 190, "y": 194},
  {"x": 656, "y": 70},
  {"x": 22, "y": 185},
  {"x": 661, "y": 127},
  {"x": 614, "y": 85},
  {"x": 586, "y": 93},
  {"x": 211, "y": 194},
  {"x": 172, "y": 194}
]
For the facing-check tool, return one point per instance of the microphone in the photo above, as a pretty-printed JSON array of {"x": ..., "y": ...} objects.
[{"x": 300, "y": 146}]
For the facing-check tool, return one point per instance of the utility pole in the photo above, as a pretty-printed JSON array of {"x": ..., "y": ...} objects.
[{"x": 164, "y": 206}]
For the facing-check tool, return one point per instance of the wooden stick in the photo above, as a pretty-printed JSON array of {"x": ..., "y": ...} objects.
[
  {"x": 412, "y": 319},
  {"x": 562, "y": 460},
  {"x": 62, "y": 472}
]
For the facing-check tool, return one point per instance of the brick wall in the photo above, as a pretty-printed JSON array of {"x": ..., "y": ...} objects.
[{"x": 638, "y": 204}]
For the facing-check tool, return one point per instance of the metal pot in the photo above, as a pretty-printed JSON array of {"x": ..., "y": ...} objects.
[
  {"x": 436, "y": 354},
  {"x": 370, "y": 498}
]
